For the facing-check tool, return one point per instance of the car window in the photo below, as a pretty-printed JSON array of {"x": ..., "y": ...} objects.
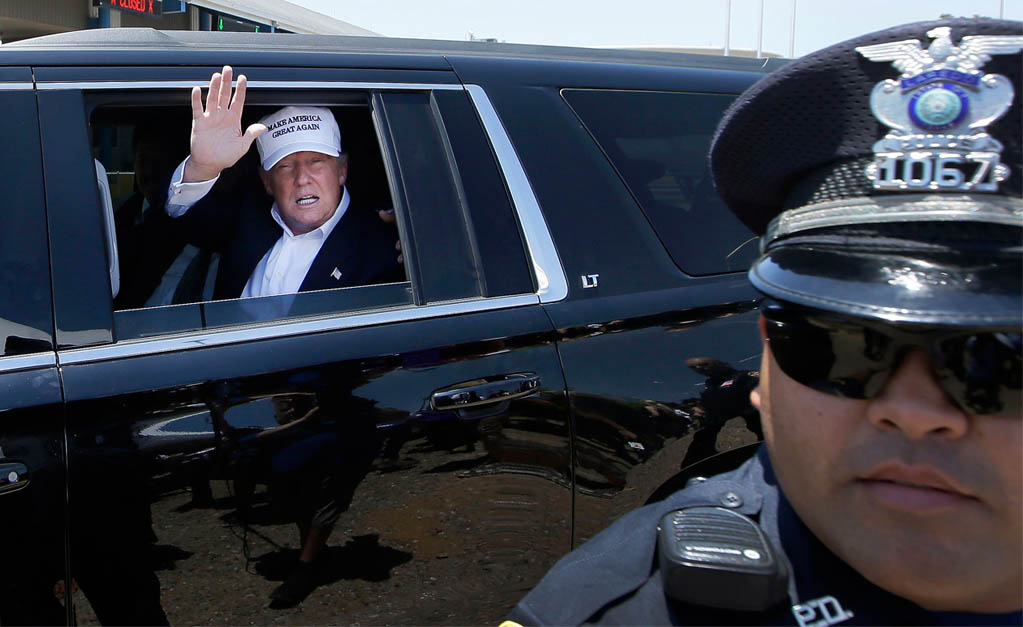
[
  {"x": 168, "y": 274},
  {"x": 658, "y": 142}
]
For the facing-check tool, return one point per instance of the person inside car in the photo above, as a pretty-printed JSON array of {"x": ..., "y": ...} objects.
[{"x": 312, "y": 235}]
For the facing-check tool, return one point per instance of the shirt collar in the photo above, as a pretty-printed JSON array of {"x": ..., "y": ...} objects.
[{"x": 324, "y": 229}]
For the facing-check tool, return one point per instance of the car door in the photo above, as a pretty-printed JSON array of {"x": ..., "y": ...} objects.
[
  {"x": 31, "y": 419},
  {"x": 657, "y": 327},
  {"x": 422, "y": 423}
]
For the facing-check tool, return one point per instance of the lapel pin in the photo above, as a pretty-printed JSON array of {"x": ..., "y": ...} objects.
[{"x": 336, "y": 274}]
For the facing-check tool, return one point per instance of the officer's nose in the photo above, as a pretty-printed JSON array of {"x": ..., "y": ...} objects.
[{"x": 914, "y": 403}]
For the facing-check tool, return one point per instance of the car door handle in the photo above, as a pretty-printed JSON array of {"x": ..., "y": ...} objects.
[
  {"x": 13, "y": 476},
  {"x": 484, "y": 392}
]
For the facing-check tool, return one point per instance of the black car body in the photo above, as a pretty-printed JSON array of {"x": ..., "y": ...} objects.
[{"x": 569, "y": 268}]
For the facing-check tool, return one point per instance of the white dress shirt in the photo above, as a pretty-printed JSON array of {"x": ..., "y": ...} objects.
[{"x": 283, "y": 268}]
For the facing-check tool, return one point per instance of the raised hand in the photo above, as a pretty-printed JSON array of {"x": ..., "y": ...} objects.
[{"x": 217, "y": 141}]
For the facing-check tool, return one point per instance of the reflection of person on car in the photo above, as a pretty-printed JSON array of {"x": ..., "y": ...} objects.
[
  {"x": 312, "y": 462},
  {"x": 725, "y": 396},
  {"x": 312, "y": 237},
  {"x": 113, "y": 543}
]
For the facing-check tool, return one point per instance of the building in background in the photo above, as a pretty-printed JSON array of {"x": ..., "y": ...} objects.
[{"x": 21, "y": 19}]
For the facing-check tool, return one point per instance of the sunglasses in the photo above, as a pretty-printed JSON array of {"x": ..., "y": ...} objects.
[{"x": 980, "y": 370}]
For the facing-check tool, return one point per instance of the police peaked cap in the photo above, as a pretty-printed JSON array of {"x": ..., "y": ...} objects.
[{"x": 884, "y": 175}]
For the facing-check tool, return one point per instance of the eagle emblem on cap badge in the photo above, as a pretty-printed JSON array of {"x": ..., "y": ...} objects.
[{"x": 938, "y": 112}]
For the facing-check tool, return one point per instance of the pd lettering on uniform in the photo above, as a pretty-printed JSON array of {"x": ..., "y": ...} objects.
[{"x": 820, "y": 612}]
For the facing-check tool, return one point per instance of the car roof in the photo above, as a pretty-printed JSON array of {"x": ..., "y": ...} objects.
[{"x": 175, "y": 47}]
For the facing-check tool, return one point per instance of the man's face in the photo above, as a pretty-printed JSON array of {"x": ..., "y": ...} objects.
[
  {"x": 307, "y": 188},
  {"x": 919, "y": 497}
]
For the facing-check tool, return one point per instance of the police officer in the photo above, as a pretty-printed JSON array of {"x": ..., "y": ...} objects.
[{"x": 884, "y": 176}]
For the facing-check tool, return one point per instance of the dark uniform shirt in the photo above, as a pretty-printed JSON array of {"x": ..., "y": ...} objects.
[{"x": 614, "y": 578}]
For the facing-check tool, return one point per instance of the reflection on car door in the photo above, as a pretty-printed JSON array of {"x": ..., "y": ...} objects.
[{"x": 190, "y": 470}]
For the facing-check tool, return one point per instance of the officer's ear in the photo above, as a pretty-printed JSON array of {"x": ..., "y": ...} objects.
[{"x": 754, "y": 398}]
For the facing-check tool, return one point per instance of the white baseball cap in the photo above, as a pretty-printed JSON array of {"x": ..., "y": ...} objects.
[{"x": 295, "y": 129}]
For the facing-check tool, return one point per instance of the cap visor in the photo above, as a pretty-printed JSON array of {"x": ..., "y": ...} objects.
[{"x": 945, "y": 289}]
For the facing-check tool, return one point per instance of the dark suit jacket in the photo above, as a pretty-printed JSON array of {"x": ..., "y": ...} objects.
[
  {"x": 239, "y": 226},
  {"x": 147, "y": 245}
]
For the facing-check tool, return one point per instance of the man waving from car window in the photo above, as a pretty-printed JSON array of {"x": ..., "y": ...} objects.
[{"x": 312, "y": 236}]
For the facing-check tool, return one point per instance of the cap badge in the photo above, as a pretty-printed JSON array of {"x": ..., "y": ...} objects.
[{"x": 938, "y": 112}]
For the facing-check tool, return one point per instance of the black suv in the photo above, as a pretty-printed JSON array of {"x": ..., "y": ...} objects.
[{"x": 574, "y": 310}]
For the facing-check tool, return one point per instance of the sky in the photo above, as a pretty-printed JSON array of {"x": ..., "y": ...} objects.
[{"x": 676, "y": 23}]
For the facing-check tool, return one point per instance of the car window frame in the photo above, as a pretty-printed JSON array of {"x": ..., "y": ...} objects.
[{"x": 540, "y": 249}]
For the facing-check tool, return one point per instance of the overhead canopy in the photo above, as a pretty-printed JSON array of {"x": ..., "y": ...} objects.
[{"x": 285, "y": 15}]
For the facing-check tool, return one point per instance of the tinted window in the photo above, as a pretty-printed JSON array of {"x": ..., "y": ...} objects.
[
  {"x": 446, "y": 265},
  {"x": 25, "y": 319},
  {"x": 502, "y": 261},
  {"x": 658, "y": 142}
]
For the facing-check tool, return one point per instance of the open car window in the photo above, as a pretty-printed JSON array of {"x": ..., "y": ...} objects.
[{"x": 166, "y": 272}]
